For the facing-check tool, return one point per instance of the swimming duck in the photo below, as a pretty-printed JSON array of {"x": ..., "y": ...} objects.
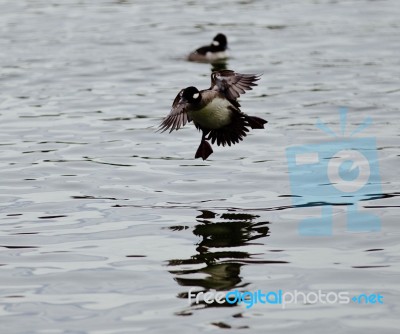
[{"x": 214, "y": 52}]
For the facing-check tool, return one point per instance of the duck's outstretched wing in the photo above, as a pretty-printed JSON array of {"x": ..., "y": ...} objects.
[
  {"x": 178, "y": 116},
  {"x": 232, "y": 84}
]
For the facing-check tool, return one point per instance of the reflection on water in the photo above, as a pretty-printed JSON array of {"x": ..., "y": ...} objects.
[
  {"x": 217, "y": 258},
  {"x": 219, "y": 65}
]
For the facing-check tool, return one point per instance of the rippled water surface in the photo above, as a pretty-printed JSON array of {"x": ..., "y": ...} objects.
[{"x": 107, "y": 225}]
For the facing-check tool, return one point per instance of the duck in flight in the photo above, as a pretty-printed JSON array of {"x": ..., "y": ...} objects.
[
  {"x": 215, "y": 111},
  {"x": 214, "y": 52}
]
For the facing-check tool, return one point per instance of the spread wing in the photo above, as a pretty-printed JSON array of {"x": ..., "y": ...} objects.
[
  {"x": 232, "y": 84},
  {"x": 178, "y": 116}
]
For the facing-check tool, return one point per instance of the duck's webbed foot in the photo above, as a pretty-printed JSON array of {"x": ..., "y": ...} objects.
[{"x": 204, "y": 150}]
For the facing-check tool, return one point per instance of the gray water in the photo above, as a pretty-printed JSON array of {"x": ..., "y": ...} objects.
[{"x": 107, "y": 225}]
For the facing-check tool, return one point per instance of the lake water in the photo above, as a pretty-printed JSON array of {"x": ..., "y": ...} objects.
[{"x": 107, "y": 225}]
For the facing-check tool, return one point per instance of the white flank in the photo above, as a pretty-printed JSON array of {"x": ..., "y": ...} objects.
[
  {"x": 214, "y": 115},
  {"x": 211, "y": 56}
]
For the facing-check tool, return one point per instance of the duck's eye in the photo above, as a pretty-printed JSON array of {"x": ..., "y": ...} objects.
[
  {"x": 216, "y": 43},
  {"x": 195, "y": 96}
]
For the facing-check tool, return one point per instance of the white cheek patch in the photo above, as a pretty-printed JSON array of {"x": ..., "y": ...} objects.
[
  {"x": 195, "y": 96},
  {"x": 215, "y": 43}
]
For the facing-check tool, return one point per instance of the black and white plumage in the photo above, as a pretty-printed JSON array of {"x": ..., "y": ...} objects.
[
  {"x": 214, "y": 52},
  {"x": 215, "y": 111}
]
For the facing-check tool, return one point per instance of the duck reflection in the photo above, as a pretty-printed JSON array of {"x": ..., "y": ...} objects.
[
  {"x": 219, "y": 264},
  {"x": 219, "y": 65}
]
